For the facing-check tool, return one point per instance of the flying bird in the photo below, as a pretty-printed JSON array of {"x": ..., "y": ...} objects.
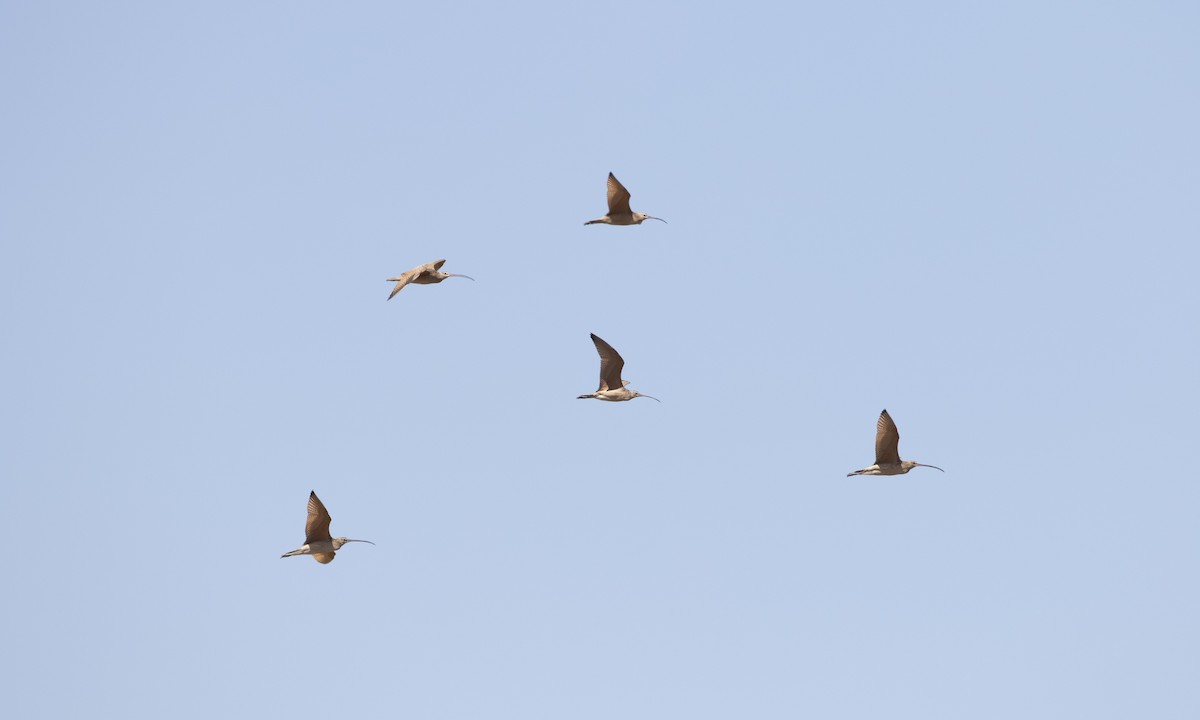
[
  {"x": 426, "y": 274},
  {"x": 317, "y": 541},
  {"x": 887, "y": 451},
  {"x": 612, "y": 387},
  {"x": 618, "y": 207}
]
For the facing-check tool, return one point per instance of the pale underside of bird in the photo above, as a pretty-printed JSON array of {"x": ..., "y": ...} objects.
[
  {"x": 426, "y": 274},
  {"x": 887, "y": 451},
  {"x": 612, "y": 387},
  {"x": 618, "y": 207},
  {"x": 317, "y": 541}
]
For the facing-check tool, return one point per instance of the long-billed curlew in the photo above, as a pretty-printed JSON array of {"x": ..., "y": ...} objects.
[
  {"x": 612, "y": 387},
  {"x": 426, "y": 274},
  {"x": 317, "y": 541},
  {"x": 618, "y": 207},
  {"x": 887, "y": 451}
]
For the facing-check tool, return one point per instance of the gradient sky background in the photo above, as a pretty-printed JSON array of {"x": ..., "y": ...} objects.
[{"x": 982, "y": 219}]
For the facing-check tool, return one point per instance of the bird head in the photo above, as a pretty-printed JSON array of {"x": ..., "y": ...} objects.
[
  {"x": 639, "y": 217},
  {"x": 909, "y": 465},
  {"x": 338, "y": 542}
]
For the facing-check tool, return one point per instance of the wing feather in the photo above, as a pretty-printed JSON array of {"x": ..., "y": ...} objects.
[
  {"x": 317, "y": 527},
  {"x": 887, "y": 441},
  {"x": 611, "y": 365},
  {"x": 618, "y": 197},
  {"x": 403, "y": 280}
]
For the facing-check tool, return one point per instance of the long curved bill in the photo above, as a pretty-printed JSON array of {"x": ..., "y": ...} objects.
[
  {"x": 649, "y": 396},
  {"x": 462, "y": 276},
  {"x": 935, "y": 467},
  {"x": 651, "y": 217},
  {"x": 366, "y": 541}
]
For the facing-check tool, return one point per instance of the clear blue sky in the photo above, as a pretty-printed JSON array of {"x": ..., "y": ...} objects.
[{"x": 983, "y": 219}]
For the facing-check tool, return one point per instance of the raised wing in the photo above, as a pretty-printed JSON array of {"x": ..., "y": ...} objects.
[
  {"x": 611, "y": 365},
  {"x": 437, "y": 264},
  {"x": 618, "y": 197},
  {"x": 317, "y": 527},
  {"x": 887, "y": 441}
]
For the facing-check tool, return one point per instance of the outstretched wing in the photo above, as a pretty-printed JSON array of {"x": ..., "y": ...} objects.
[
  {"x": 317, "y": 527},
  {"x": 403, "y": 280},
  {"x": 887, "y": 441},
  {"x": 437, "y": 264},
  {"x": 611, "y": 365},
  {"x": 618, "y": 197}
]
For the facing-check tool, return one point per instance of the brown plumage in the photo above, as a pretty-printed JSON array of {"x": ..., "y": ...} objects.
[
  {"x": 887, "y": 451},
  {"x": 618, "y": 207},
  {"x": 426, "y": 274},
  {"x": 316, "y": 528},
  {"x": 317, "y": 541},
  {"x": 887, "y": 441},
  {"x": 612, "y": 387}
]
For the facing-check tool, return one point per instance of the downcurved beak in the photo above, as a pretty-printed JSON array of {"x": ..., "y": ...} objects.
[
  {"x": 462, "y": 276},
  {"x": 649, "y": 396},
  {"x": 656, "y": 218},
  {"x": 935, "y": 467},
  {"x": 366, "y": 541}
]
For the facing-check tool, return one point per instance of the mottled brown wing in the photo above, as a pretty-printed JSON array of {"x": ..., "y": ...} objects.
[
  {"x": 323, "y": 557},
  {"x": 317, "y": 527},
  {"x": 611, "y": 365},
  {"x": 403, "y": 280},
  {"x": 618, "y": 197},
  {"x": 887, "y": 441}
]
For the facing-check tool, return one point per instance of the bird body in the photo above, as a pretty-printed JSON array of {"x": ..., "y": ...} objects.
[
  {"x": 617, "y": 395},
  {"x": 426, "y": 274},
  {"x": 889, "y": 469},
  {"x": 612, "y": 387},
  {"x": 887, "y": 451},
  {"x": 317, "y": 541},
  {"x": 322, "y": 550},
  {"x": 618, "y": 207},
  {"x": 632, "y": 218}
]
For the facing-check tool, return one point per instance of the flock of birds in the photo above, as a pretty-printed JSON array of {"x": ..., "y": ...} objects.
[{"x": 322, "y": 546}]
